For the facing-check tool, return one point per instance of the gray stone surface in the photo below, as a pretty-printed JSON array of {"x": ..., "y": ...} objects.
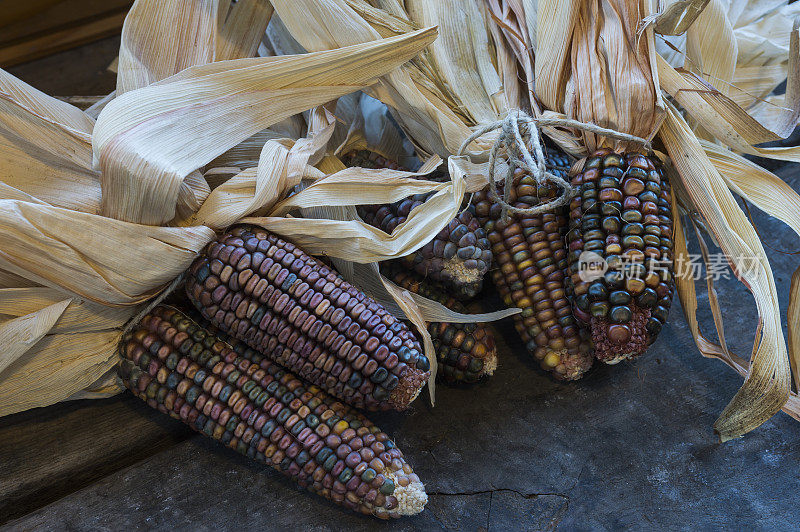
[{"x": 630, "y": 446}]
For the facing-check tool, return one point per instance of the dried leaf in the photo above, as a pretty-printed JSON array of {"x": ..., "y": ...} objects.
[
  {"x": 19, "y": 334},
  {"x": 414, "y": 91},
  {"x": 359, "y": 242},
  {"x": 461, "y": 55},
  {"x": 148, "y": 141},
  {"x": 46, "y": 107},
  {"x": 555, "y": 24},
  {"x": 766, "y": 386},
  {"x": 185, "y": 31},
  {"x": 79, "y": 316},
  {"x": 242, "y": 27},
  {"x": 57, "y": 367},
  {"x": 95, "y": 258},
  {"x": 678, "y": 16},
  {"x": 711, "y": 46},
  {"x": 793, "y": 321}
]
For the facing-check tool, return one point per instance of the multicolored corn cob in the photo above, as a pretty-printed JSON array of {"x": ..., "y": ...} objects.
[
  {"x": 465, "y": 351},
  {"x": 369, "y": 159},
  {"x": 257, "y": 408},
  {"x": 622, "y": 216},
  {"x": 531, "y": 261},
  {"x": 458, "y": 257},
  {"x": 284, "y": 303}
]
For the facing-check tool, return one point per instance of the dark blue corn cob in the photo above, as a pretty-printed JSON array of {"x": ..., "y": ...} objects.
[
  {"x": 622, "y": 215},
  {"x": 465, "y": 352},
  {"x": 458, "y": 257}
]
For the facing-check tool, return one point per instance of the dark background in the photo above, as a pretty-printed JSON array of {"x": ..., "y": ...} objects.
[{"x": 628, "y": 446}]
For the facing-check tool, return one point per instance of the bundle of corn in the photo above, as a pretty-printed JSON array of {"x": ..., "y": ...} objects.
[
  {"x": 595, "y": 65},
  {"x": 531, "y": 256},
  {"x": 269, "y": 294},
  {"x": 465, "y": 352},
  {"x": 636, "y": 74},
  {"x": 103, "y": 211},
  {"x": 236, "y": 396}
]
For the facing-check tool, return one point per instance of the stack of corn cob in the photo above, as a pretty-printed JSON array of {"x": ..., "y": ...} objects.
[{"x": 271, "y": 315}]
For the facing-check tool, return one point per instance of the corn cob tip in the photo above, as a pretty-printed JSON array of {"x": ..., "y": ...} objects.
[
  {"x": 411, "y": 499},
  {"x": 614, "y": 343},
  {"x": 571, "y": 365},
  {"x": 408, "y": 389},
  {"x": 490, "y": 364},
  {"x": 466, "y": 280}
]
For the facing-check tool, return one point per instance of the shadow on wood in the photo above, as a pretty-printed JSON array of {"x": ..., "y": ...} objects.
[{"x": 47, "y": 453}]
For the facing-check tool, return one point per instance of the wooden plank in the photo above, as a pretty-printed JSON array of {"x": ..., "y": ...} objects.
[
  {"x": 12, "y": 11},
  {"x": 48, "y": 453},
  {"x": 54, "y": 40},
  {"x": 42, "y": 16}
]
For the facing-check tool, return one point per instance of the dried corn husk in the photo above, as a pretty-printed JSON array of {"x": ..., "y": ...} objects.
[
  {"x": 724, "y": 43},
  {"x": 434, "y": 110}
]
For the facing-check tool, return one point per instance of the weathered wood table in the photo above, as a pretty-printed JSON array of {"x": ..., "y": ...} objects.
[{"x": 629, "y": 446}]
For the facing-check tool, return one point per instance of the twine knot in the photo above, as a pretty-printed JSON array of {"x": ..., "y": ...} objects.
[{"x": 518, "y": 132}]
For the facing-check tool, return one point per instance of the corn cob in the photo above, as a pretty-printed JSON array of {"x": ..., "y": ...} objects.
[
  {"x": 257, "y": 408},
  {"x": 622, "y": 213},
  {"x": 277, "y": 299},
  {"x": 465, "y": 352},
  {"x": 530, "y": 256},
  {"x": 458, "y": 257},
  {"x": 369, "y": 159}
]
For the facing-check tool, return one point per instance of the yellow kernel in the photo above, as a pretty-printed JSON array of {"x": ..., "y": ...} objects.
[{"x": 551, "y": 360}]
